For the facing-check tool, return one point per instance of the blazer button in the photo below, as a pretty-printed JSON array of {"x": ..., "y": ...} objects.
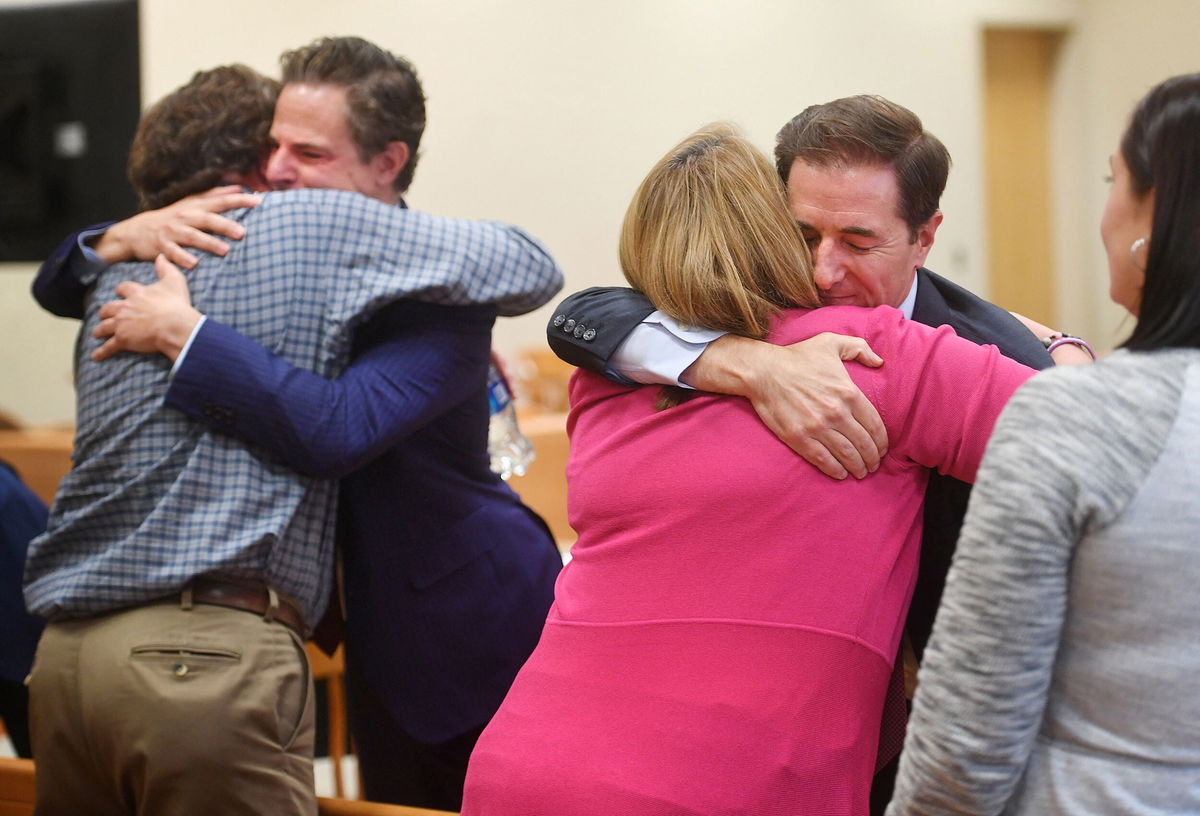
[
  {"x": 589, "y": 335},
  {"x": 579, "y": 330},
  {"x": 559, "y": 320},
  {"x": 569, "y": 326}
]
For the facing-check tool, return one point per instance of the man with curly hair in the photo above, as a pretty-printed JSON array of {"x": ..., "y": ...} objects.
[
  {"x": 447, "y": 577},
  {"x": 214, "y": 130},
  {"x": 182, "y": 568}
]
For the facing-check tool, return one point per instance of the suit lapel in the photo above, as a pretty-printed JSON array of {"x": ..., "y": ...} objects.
[{"x": 930, "y": 307}]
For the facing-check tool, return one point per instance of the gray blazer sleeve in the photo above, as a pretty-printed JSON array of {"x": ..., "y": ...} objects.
[{"x": 587, "y": 327}]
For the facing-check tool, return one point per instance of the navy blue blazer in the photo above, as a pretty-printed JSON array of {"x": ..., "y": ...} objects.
[
  {"x": 56, "y": 288},
  {"x": 22, "y": 517},
  {"x": 608, "y": 314}
]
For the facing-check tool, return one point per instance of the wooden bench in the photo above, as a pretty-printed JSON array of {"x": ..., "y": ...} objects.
[
  {"x": 41, "y": 456},
  {"x": 17, "y": 797},
  {"x": 16, "y": 787}
]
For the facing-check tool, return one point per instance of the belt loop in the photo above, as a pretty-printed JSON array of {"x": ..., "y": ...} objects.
[
  {"x": 185, "y": 598},
  {"x": 272, "y": 605}
]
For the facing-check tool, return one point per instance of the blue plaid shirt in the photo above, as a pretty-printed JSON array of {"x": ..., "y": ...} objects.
[{"x": 153, "y": 499}]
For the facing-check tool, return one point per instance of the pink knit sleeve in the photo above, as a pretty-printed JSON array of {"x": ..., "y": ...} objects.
[{"x": 939, "y": 394}]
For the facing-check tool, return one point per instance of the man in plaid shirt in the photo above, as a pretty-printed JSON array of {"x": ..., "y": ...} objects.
[{"x": 154, "y": 690}]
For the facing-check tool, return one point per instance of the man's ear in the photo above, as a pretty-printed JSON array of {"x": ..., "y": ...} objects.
[
  {"x": 925, "y": 234},
  {"x": 388, "y": 163}
]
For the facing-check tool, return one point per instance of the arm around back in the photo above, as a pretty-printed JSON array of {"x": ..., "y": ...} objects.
[
  {"x": 423, "y": 361},
  {"x": 61, "y": 283},
  {"x": 63, "y": 280},
  {"x": 939, "y": 394},
  {"x": 532, "y": 278},
  {"x": 587, "y": 327}
]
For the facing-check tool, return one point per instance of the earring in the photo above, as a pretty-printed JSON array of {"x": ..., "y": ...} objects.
[{"x": 1133, "y": 251}]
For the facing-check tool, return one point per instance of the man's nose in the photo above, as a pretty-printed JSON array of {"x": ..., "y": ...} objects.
[
  {"x": 827, "y": 271},
  {"x": 280, "y": 172}
]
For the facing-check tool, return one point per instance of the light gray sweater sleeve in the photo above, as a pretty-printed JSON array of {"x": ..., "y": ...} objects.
[{"x": 1066, "y": 456}]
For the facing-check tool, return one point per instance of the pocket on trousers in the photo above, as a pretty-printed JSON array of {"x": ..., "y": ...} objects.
[
  {"x": 296, "y": 721},
  {"x": 186, "y": 661}
]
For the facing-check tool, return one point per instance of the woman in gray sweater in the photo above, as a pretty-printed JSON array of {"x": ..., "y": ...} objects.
[{"x": 1063, "y": 675}]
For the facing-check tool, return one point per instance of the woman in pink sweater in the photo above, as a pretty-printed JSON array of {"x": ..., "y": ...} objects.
[{"x": 722, "y": 639}]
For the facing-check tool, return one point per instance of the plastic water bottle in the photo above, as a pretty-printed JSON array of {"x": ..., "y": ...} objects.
[{"x": 509, "y": 449}]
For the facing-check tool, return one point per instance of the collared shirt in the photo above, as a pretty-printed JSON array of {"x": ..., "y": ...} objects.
[
  {"x": 659, "y": 349},
  {"x": 154, "y": 499},
  {"x": 92, "y": 264}
]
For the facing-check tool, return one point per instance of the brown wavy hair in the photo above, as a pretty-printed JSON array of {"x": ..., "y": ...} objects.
[
  {"x": 194, "y": 138},
  {"x": 708, "y": 238}
]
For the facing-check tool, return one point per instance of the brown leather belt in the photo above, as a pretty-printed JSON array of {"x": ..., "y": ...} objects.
[{"x": 254, "y": 598}]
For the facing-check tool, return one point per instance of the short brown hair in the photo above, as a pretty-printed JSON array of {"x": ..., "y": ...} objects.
[
  {"x": 709, "y": 240},
  {"x": 871, "y": 130},
  {"x": 216, "y": 125},
  {"x": 384, "y": 99}
]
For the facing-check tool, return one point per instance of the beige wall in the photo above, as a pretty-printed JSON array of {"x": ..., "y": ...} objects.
[
  {"x": 547, "y": 113},
  {"x": 1118, "y": 51}
]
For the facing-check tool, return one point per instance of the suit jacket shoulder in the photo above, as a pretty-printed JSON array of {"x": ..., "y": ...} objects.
[{"x": 941, "y": 302}]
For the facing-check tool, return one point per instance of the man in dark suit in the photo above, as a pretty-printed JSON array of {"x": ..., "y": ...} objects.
[
  {"x": 864, "y": 180},
  {"x": 447, "y": 576},
  {"x": 166, "y": 534},
  {"x": 22, "y": 516}
]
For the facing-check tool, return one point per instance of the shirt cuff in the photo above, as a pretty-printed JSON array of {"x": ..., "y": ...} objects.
[
  {"x": 93, "y": 264},
  {"x": 186, "y": 346},
  {"x": 658, "y": 350}
]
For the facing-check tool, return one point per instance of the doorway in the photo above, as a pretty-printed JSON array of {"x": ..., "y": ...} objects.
[{"x": 1019, "y": 65}]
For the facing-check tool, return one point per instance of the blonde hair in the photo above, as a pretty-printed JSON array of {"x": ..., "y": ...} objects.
[{"x": 709, "y": 239}]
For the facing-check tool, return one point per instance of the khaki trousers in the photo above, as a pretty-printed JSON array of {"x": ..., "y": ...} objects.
[{"x": 160, "y": 710}]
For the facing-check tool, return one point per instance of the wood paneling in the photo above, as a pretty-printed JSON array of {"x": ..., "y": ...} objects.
[{"x": 41, "y": 456}]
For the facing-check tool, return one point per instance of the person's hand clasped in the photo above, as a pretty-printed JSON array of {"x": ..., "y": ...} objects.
[
  {"x": 148, "y": 319},
  {"x": 194, "y": 222},
  {"x": 807, "y": 399}
]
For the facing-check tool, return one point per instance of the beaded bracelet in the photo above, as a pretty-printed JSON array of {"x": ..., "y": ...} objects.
[{"x": 1057, "y": 339}]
